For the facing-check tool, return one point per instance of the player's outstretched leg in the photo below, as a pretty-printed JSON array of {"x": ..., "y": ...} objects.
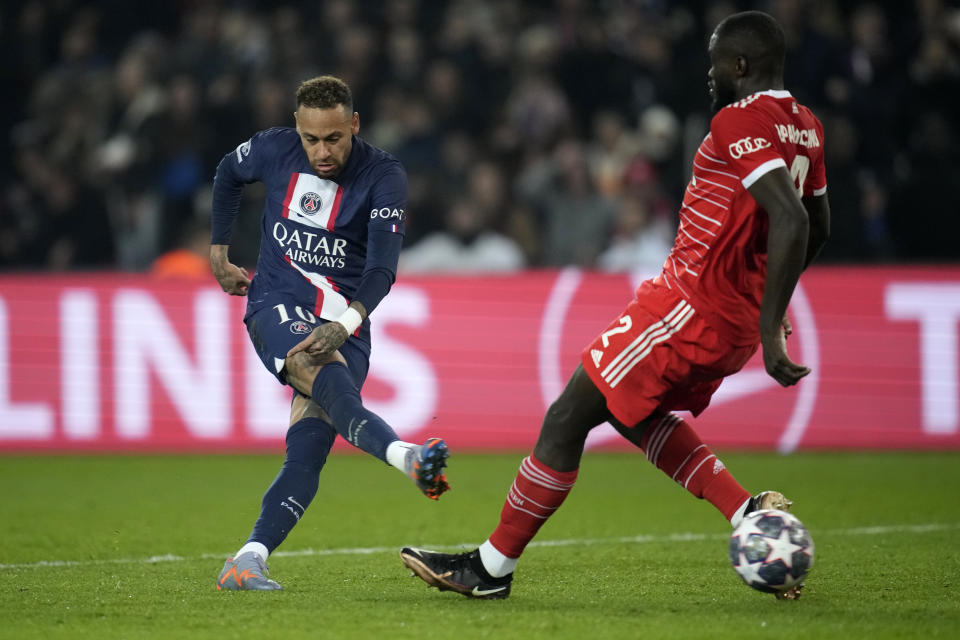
[
  {"x": 334, "y": 390},
  {"x": 674, "y": 447},
  {"x": 461, "y": 572},
  {"x": 246, "y": 572}
]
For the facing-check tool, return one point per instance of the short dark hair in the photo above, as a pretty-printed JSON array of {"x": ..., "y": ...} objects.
[
  {"x": 758, "y": 37},
  {"x": 324, "y": 92}
]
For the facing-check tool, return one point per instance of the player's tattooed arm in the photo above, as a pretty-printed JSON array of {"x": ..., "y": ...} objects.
[
  {"x": 328, "y": 337},
  {"x": 233, "y": 279}
]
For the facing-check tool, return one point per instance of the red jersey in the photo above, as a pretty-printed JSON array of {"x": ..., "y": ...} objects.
[{"x": 719, "y": 258}]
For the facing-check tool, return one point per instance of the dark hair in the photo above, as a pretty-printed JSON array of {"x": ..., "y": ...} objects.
[
  {"x": 324, "y": 92},
  {"x": 758, "y": 37}
]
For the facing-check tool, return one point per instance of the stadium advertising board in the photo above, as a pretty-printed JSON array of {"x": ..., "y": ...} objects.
[{"x": 125, "y": 363}]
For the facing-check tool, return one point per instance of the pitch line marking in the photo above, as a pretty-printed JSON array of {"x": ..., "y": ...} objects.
[{"x": 570, "y": 542}]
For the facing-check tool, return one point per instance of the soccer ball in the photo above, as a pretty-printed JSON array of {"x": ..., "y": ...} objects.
[{"x": 771, "y": 550}]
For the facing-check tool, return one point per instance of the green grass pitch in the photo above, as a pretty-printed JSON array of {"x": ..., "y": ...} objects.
[{"x": 130, "y": 547}]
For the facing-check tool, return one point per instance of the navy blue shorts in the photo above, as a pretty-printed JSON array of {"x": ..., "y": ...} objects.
[{"x": 274, "y": 332}]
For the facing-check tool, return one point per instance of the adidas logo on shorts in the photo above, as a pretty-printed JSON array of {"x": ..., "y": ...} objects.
[{"x": 596, "y": 354}]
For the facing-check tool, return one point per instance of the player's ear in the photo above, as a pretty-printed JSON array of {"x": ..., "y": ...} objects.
[
  {"x": 355, "y": 125},
  {"x": 741, "y": 66}
]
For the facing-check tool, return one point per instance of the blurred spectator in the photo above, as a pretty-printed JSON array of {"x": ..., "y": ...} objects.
[
  {"x": 190, "y": 257},
  {"x": 640, "y": 242},
  {"x": 537, "y": 116},
  {"x": 577, "y": 218},
  {"x": 466, "y": 245}
]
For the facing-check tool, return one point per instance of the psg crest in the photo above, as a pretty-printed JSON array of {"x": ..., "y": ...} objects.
[
  {"x": 301, "y": 327},
  {"x": 310, "y": 203}
]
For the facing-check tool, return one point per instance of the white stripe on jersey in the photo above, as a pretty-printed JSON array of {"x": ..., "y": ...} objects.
[
  {"x": 700, "y": 196},
  {"x": 684, "y": 232},
  {"x": 333, "y": 304},
  {"x": 710, "y": 158},
  {"x": 723, "y": 173},
  {"x": 692, "y": 223},
  {"x": 716, "y": 222},
  {"x": 700, "y": 193},
  {"x": 763, "y": 170},
  {"x": 716, "y": 184},
  {"x": 685, "y": 265}
]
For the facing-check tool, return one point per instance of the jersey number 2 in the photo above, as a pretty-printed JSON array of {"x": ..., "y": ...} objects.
[{"x": 798, "y": 171}]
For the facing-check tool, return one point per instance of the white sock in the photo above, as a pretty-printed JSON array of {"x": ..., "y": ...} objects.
[
  {"x": 738, "y": 516},
  {"x": 256, "y": 547},
  {"x": 397, "y": 454},
  {"x": 496, "y": 564}
]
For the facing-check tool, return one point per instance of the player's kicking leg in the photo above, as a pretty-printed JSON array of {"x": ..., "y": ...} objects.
[{"x": 334, "y": 385}]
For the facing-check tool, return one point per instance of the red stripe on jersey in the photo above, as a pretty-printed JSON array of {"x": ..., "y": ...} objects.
[
  {"x": 318, "y": 305},
  {"x": 333, "y": 285},
  {"x": 332, "y": 220},
  {"x": 291, "y": 187}
]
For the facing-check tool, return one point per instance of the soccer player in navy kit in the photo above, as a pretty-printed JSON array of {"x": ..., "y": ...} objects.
[{"x": 332, "y": 227}]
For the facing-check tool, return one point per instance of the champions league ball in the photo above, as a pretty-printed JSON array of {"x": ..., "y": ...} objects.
[{"x": 771, "y": 550}]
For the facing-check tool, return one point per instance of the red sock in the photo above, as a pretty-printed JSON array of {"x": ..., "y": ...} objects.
[
  {"x": 675, "y": 448},
  {"x": 536, "y": 493}
]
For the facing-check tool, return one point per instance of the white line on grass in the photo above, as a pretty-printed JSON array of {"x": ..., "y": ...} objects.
[{"x": 572, "y": 542}]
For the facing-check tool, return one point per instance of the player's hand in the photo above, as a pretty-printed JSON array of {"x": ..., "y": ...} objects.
[
  {"x": 322, "y": 341},
  {"x": 778, "y": 364},
  {"x": 233, "y": 279}
]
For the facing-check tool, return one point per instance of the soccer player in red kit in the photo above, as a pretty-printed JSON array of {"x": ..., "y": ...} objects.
[{"x": 754, "y": 215}]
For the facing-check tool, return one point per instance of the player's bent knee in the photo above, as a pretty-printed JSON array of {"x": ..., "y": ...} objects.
[{"x": 301, "y": 369}]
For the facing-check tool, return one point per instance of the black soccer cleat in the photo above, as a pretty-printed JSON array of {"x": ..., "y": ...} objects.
[{"x": 461, "y": 572}]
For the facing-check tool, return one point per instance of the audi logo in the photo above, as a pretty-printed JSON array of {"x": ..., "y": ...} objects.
[{"x": 743, "y": 146}]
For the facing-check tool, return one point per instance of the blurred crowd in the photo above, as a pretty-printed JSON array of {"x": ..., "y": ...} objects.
[{"x": 535, "y": 134}]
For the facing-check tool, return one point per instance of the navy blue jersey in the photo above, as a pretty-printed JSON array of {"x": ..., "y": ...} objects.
[{"x": 323, "y": 241}]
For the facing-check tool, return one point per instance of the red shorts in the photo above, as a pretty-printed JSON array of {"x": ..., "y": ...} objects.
[{"x": 660, "y": 354}]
